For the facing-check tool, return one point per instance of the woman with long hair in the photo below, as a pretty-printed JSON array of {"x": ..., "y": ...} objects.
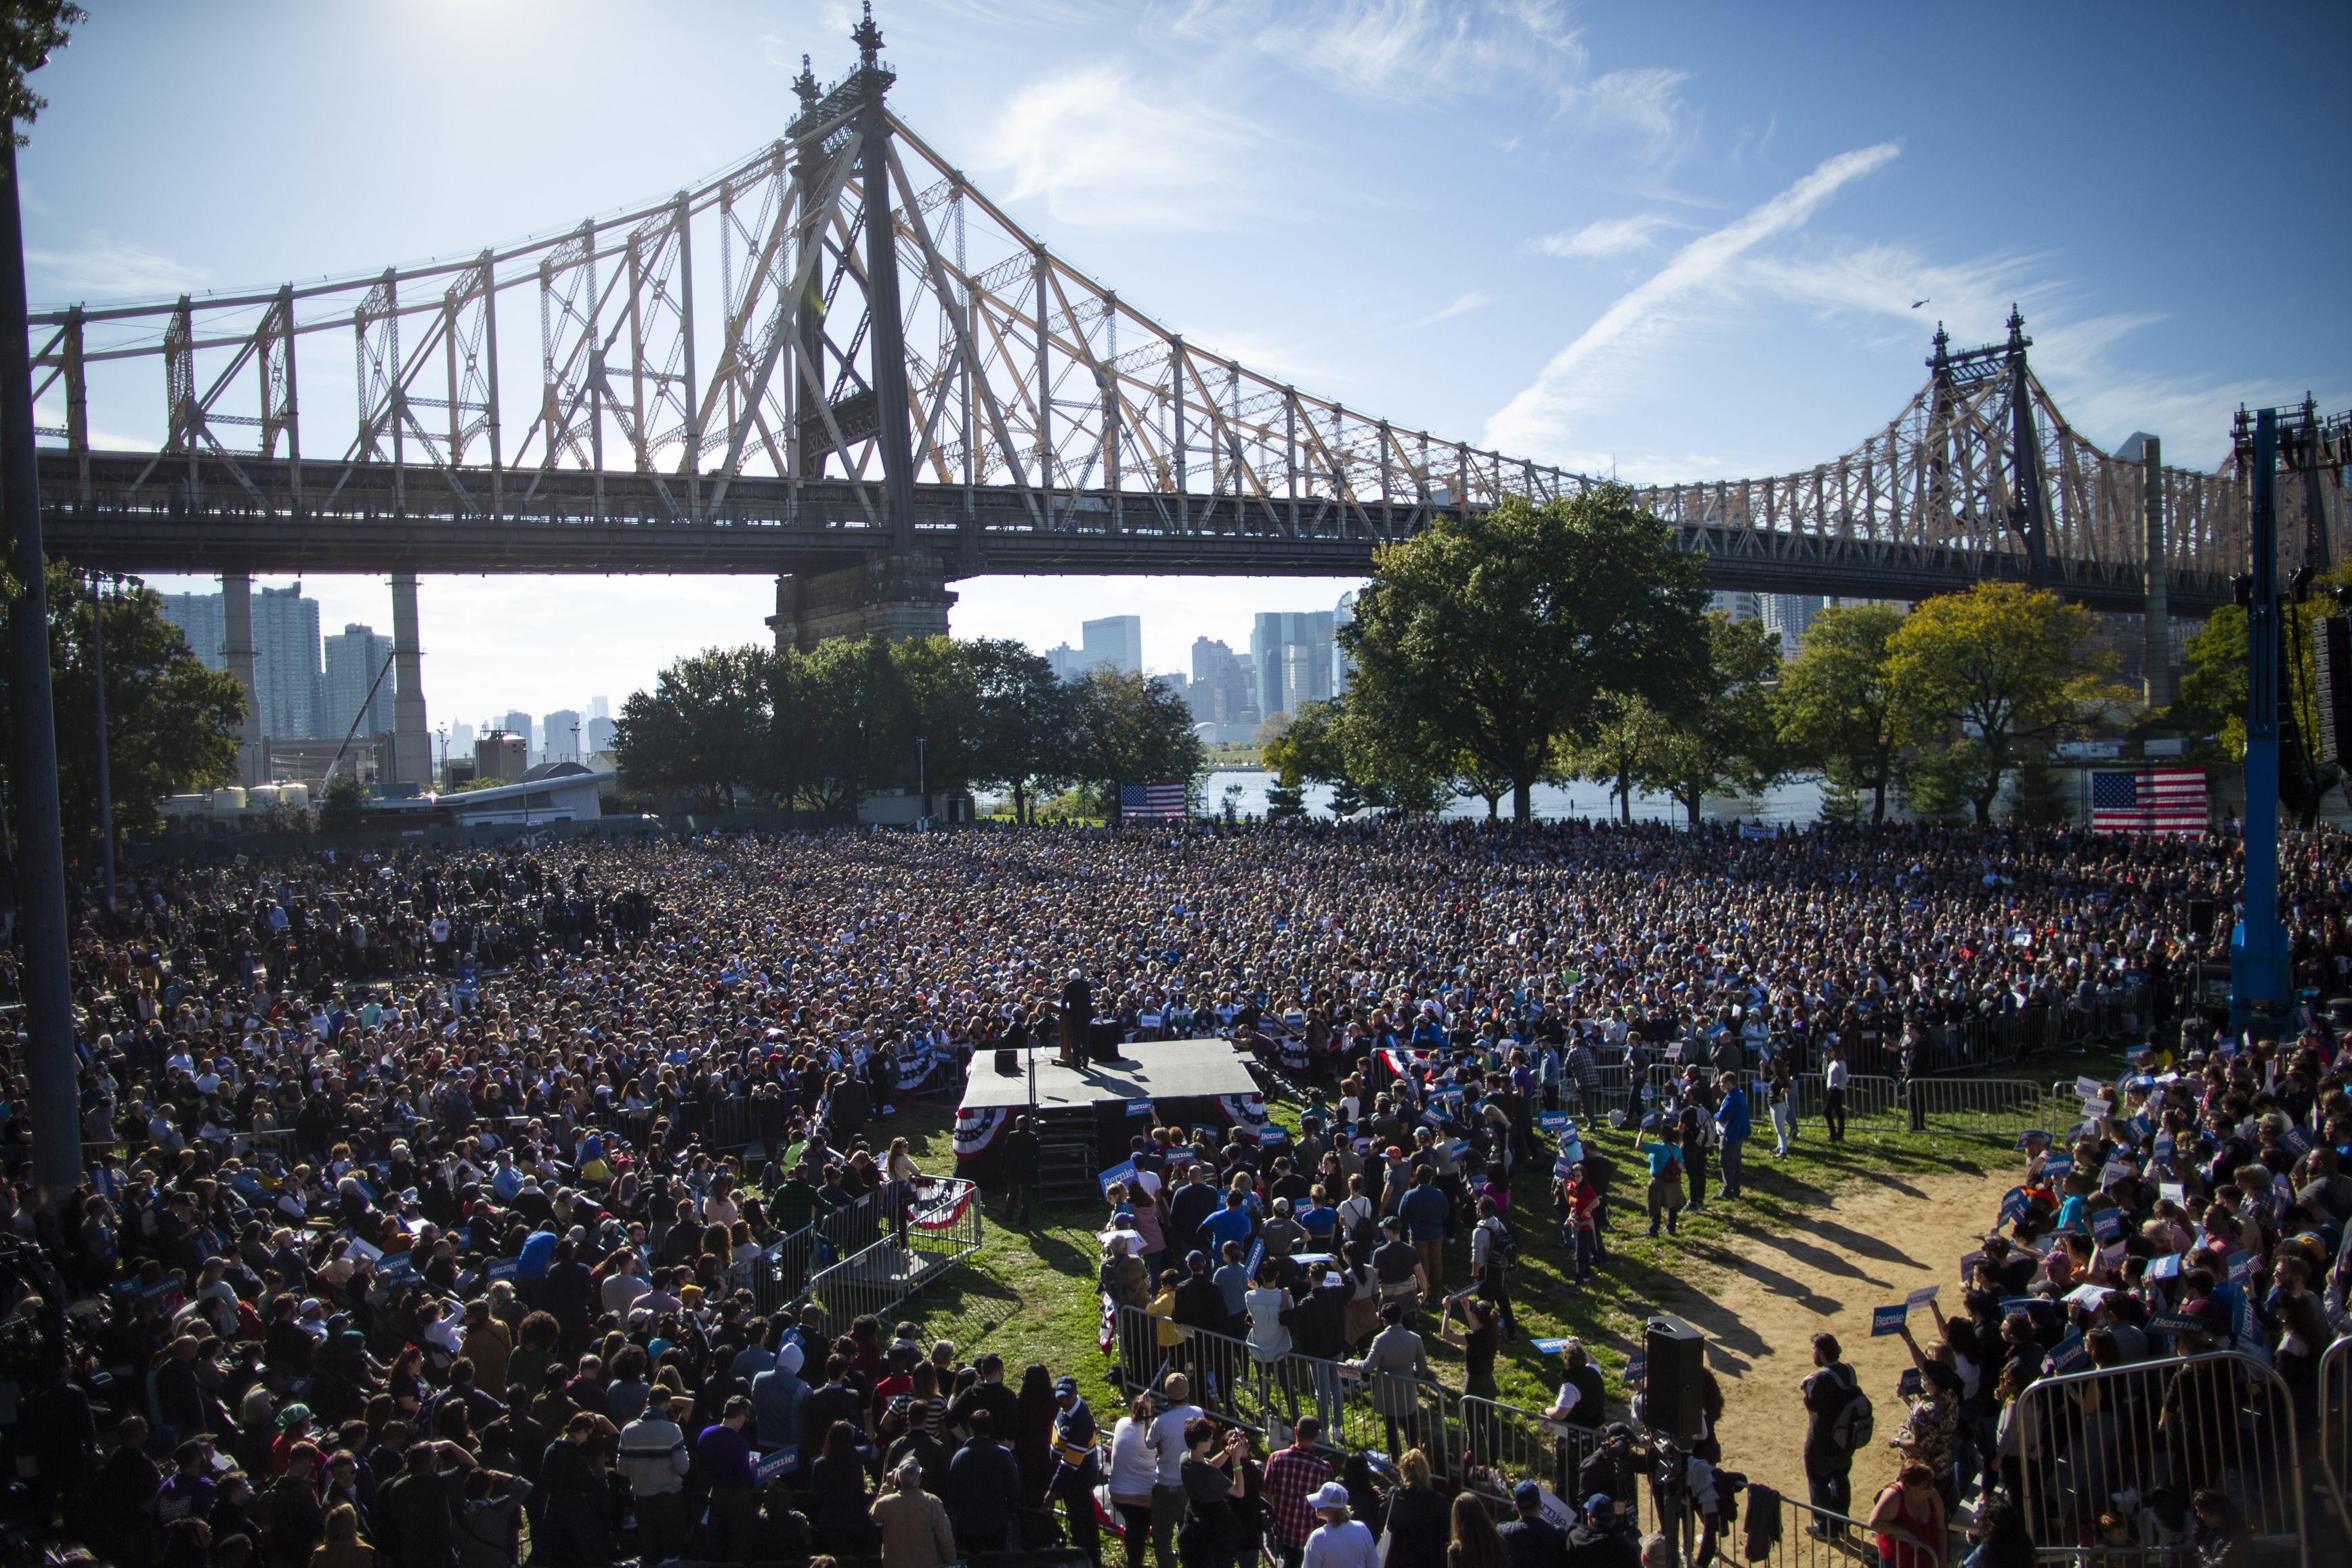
[
  {"x": 1476, "y": 1544},
  {"x": 1416, "y": 1520},
  {"x": 1033, "y": 1438}
]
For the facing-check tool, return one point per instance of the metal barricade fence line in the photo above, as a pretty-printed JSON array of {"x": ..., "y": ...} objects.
[
  {"x": 2115, "y": 1436},
  {"x": 2334, "y": 1436},
  {"x": 1981, "y": 1107},
  {"x": 876, "y": 1278},
  {"x": 1844, "y": 1538}
]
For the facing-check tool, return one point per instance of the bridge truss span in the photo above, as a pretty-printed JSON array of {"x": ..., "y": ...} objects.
[{"x": 839, "y": 349}]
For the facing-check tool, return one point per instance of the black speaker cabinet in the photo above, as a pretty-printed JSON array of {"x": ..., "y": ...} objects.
[
  {"x": 1008, "y": 1060},
  {"x": 2331, "y": 660},
  {"x": 1676, "y": 1354}
]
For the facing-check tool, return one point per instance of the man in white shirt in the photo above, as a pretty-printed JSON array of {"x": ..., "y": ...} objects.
[
  {"x": 1166, "y": 1441},
  {"x": 1835, "y": 1076}
]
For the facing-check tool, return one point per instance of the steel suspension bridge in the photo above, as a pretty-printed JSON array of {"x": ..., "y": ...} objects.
[{"x": 839, "y": 363}]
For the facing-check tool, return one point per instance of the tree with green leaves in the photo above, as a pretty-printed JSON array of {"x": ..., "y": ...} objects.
[
  {"x": 1499, "y": 638},
  {"x": 170, "y": 723},
  {"x": 842, "y": 728},
  {"x": 30, "y": 32},
  {"x": 1996, "y": 675},
  {"x": 939, "y": 691},
  {"x": 1722, "y": 736},
  {"x": 1835, "y": 708},
  {"x": 1618, "y": 751},
  {"x": 1025, "y": 718},
  {"x": 1133, "y": 730},
  {"x": 704, "y": 729}
]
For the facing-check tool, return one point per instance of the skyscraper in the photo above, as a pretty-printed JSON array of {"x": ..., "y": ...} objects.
[
  {"x": 354, "y": 659},
  {"x": 1221, "y": 692},
  {"x": 286, "y": 673},
  {"x": 563, "y": 729},
  {"x": 1790, "y": 616},
  {"x": 1116, "y": 641},
  {"x": 287, "y": 667},
  {"x": 600, "y": 708},
  {"x": 1342, "y": 615},
  {"x": 1284, "y": 681},
  {"x": 599, "y": 731}
]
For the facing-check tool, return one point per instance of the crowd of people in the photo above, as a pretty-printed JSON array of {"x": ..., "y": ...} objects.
[{"x": 427, "y": 1189}]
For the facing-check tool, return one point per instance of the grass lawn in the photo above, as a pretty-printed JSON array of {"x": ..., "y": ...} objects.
[{"x": 1029, "y": 1294}]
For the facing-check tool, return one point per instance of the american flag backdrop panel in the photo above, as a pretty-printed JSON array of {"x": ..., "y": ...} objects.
[
  {"x": 1151, "y": 801},
  {"x": 2148, "y": 800}
]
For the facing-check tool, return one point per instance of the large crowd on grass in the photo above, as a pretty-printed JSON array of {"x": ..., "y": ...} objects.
[{"x": 427, "y": 1189}]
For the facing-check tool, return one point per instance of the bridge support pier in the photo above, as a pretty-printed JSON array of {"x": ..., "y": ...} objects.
[
  {"x": 237, "y": 648},
  {"x": 896, "y": 596},
  {"x": 2162, "y": 682},
  {"x": 412, "y": 743}
]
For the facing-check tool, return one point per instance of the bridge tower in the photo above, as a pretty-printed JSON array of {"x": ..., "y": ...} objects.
[{"x": 901, "y": 591}]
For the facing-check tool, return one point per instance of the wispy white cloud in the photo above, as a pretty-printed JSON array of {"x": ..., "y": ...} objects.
[
  {"x": 1468, "y": 302},
  {"x": 1537, "y": 420},
  {"x": 1429, "y": 52},
  {"x": 101, "y": 266},
  {"x": 1099, "y": 148},
  {"x": 1604, "y": 237}
]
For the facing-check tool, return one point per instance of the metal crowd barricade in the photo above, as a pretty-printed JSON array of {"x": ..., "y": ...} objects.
[
  {"x": 1841, "y": 1543},
  {"x": 2335, "y": 1437},
  {"x": 1981, "y": 1107},
  {"x": 1360, "y": 1412},
  {"x": 943, "y": 1229},
  {"x": 2118, "y": 1439},
  {"x": 1503, "y": 1445},
  {"x": 1873, "y": 1104}
]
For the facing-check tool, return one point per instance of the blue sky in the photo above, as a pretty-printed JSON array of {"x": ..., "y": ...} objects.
[{"x": 1674, "y": 241}]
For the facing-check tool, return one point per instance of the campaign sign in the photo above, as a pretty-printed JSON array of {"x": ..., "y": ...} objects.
[
  {"x": 1256, "y": 1257},
  {"x": 397, "y": 1266},
  {"x": 2112, "y": 1255},
  {"x": 2296, "y": 1140},
  {"x": 2164, "y": 1148},
  {"x": 2174, "y": 1323},
  {"x": 1549, "y": 1346},
  {"x": 2069, "y": 1354},
  {"x": 2087, "y": 1296},
  {"x": 1552, "y": 1120},
  {"x": 782, "y": 1462},
  {"x": 1558, "y": 1514},
  {"x": 2106, "y": 1224},
  {"x": 503, "y": 1269},
  {"x": 1122, "y": 1172},
  {"x": 2013, "y": 1205},
  {"x": 1924, "y": 1296},
  {"x": 1969, "y": 1266},
  {"x": 1888, "y": 1319},
  {"x": 2241, "y": 1267},
  {"x": 2089, "y": 1088},
  {"x": 2057, "y": 1164},
  {"x": 2164, "y": 1266},
  {"x": 1637, "y": 1370}
]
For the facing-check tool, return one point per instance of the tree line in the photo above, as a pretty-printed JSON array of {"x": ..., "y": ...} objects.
[
  {"x": 816, "y": 729},
  {"x": 1547, "y": 644}
]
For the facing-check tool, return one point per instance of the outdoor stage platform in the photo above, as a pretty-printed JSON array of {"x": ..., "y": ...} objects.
[{"x": 1153, "y": 1083}]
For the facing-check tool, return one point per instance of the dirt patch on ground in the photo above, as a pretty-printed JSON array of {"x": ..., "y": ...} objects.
[{"x": 1761, "y": 1299}]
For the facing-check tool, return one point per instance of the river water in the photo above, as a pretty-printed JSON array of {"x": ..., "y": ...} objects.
[{"x": 1798, "y": 803}]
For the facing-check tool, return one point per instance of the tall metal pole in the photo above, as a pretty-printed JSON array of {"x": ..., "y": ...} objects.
[
  {"x": 49, "y": 1064},
  {"x": 105, "y": 768},
  {"x": 887, "y": 334},
  {"x": 2258, "y": 977}
]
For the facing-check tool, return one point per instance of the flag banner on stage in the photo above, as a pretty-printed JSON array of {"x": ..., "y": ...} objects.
[
  {"x": 1160, "y": 801},
  {"x": 2148, "y": 800}
]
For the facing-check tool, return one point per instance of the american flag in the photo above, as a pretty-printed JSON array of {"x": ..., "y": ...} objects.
[
  {"x": 1153, "y": 801},
  {"x": 2149, "y": 800}
]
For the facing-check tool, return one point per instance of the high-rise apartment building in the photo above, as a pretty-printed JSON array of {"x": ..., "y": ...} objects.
[
  {"x": 1788, "y": 616},
  {"x": 520, "y": 724},
  {"x": 1221, "y": 691},
  {"x": 1066, "y": 663},
  {"x": 600, "y": 708},
  {"x": 1739, "y": 606},
  {"x": 1286, "y": 681},
  {"x": 600, "y": 731},
  {"x": 355, "y": 659},
  {"x": 562, "y": 733},
  {"x": 1116, "y": 641},
  {"x": 1342, "y": 615},
  {"x": 286, "y": 678},
  {"x": 461, "y": 741}
]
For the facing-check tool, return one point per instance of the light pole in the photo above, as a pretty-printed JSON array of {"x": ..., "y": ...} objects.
[
  {"x": 444, "y": 779},
  {"x": 105, "y": 769},
  {"x": 575, "y": 743},
  {"x": 923, "y": 775}
]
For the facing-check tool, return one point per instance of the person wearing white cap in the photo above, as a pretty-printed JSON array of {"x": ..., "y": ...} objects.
[{"x": 1339, "y": 1541}]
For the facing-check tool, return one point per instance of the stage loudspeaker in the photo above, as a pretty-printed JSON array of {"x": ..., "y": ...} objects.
[
  {"x": 1008, "y": 1060},
  {"x": 1103, "y": 1039},
  {"x": 2331, "y": 658},
  {"x": 2201, "y": 913},
  {"x": 1676, "y": 1357}
]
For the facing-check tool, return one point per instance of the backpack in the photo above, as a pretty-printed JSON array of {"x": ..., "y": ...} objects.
[
  {"x": 1506, "y": 1246},
  {"x": 1851, "y": 1428}
]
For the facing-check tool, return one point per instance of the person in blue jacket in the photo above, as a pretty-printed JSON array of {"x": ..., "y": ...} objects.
[{"x": 1732, "y": 1124}]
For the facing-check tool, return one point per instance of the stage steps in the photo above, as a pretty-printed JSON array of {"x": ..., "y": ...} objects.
[{"x": 1067, "y": 1155}]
